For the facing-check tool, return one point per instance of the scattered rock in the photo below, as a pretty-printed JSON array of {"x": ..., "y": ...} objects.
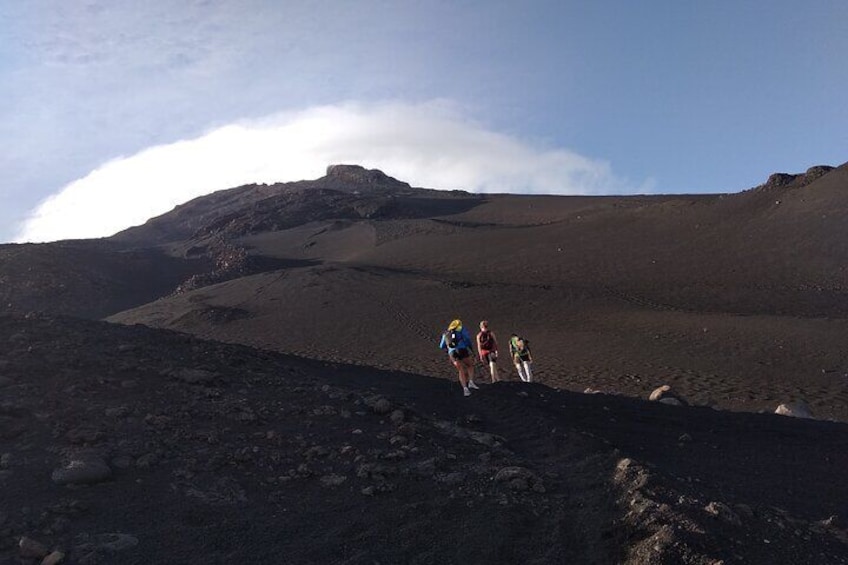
[
  {"x": 53, "y": 558},
  {"x": 454, "y": 478},
  {"x": 88, "y": 471},
  {"x": 83, "y": 435},
  {"x": 666, "y": 395},
  {"x": 324, "y": 411},
  {"x": 93, "y": 549},
  {"x": 332, "y": 480},
  {"x": 147, "y": 460},
  {"x": 379, "y": 405},
  {"x": 744, "y": 511},
  {"x": 194, "y": 376},
  {"x": 117, "y": 412},
  {"x": 797, "y": 409},
  {"x": 519, "y": 478},
  {"x": 452, "y": 429},
  {"x": 32, "y": 549},
  {"x": 723, "y": 512}
]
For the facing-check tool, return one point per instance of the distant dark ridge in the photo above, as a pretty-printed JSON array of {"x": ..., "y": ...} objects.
[{"x": 800, "y": 180}]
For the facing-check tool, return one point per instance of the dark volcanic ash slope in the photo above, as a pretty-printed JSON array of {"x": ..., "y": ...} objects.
[
  {"x": 91, "y": 279},
  {"x": 738, "y": 301},
  {"x": 133, "y": 445},
  {"x": 195, "y": 244}
]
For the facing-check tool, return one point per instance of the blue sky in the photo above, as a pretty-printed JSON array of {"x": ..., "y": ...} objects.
[{"x": 115, "y": 111}]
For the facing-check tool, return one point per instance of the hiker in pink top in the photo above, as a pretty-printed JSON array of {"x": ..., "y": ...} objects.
[{"x": 487, "y": 346}]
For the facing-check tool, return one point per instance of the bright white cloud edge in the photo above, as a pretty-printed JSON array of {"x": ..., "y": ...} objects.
[{"x": 429, "y": 144}]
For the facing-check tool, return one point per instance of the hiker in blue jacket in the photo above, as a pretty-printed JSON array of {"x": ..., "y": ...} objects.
[{"x": 461, "y": 353}]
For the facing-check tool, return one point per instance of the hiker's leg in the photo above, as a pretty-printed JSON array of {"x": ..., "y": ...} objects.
[
  {"x": 528, "y": 372},
  {"x": 470, "y": 368},
  {"x": 493, "y": 369},
  {"x": 520, "y": 370},
  {"x": 463, "y": 377}
]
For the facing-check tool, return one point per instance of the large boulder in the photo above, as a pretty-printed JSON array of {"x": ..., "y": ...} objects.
[
  {"x": 666, "y": 395},
  {"x": 797, "y": 409}
]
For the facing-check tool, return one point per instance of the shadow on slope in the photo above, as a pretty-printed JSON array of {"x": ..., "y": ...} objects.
[{"x": 210, "y": 451}]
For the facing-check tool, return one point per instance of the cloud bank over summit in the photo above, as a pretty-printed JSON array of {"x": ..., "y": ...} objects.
[{"x": 431, "y": 144}]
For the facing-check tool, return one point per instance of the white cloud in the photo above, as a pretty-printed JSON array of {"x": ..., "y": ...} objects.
[{"x": 430, "y": 144}]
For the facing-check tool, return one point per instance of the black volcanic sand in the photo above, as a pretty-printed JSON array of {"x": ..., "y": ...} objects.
[
  {"x": 217, "y": 453},
  {"x": 231, "y": 451},
  {"x": 737, "y": 301}
]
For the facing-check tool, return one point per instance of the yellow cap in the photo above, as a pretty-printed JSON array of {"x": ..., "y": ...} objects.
[{"x": 455, "y": 325}]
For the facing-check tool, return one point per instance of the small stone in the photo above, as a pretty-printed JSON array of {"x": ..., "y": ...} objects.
[
  {"x": 368, "y": 491},
  {"x": 518, "y": 478},
  {"x": 32, "y": 549},
  {"x": 670, "y": 401},
  {"x": 5, "y": 461},
  {"x": 84, "y": 435},
  {"x": 519, "y": 483},
  {"x": 89, "y": 471},
  {"x": 397, "y": 417},
  {"x": 194, "y": 376},
  {"x": 454, "y": 478},
  {"x": 114, "y": 543},
  {"x": 380, "y": 406},
  {"x": 624, "y": 464},
  {"x": 117, "y": 412},
  {"x": 147, "y": 460},
  {"x": 54, "y": 558},
  {"x": 332, "y": 480},
  {"x": 723, "y": 512}
]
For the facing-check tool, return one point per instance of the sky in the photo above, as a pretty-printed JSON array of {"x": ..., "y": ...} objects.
[{"x": 115, "y": 111}]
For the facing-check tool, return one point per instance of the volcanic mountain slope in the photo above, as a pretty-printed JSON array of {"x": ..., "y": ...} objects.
[
  {"x": 738, "y": 301},
  {"x": 134, "y": 445},
  {"x": 88, "y": 278}
]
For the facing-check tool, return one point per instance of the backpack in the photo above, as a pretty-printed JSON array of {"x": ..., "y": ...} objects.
[
  {"x": 452, "y": 338},
  {"x": 486, "y": 341},
  {"x": 522, "y": 346}
]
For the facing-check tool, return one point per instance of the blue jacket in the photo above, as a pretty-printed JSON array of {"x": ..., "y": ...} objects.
[{"x": 464, "y": 342}]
